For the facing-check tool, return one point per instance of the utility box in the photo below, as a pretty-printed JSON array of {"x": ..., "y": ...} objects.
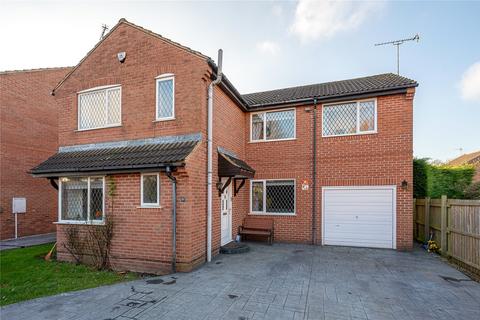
[{"x": 19, "y": 205}]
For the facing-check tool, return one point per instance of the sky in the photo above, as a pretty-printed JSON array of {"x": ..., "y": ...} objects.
[{"x": 276, "y": 44}]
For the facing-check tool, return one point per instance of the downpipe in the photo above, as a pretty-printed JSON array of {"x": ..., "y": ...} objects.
[
  {"x": 210, "y": 154},
  {"x": 168, "y": 171}
]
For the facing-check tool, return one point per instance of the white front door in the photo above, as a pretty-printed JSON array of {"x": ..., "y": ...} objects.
[
  {"x": 362, "y": 216},
  {"x": 226, "y": 214}
]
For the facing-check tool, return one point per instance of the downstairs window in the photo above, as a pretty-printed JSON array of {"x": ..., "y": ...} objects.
[
  {"x": 276, "y": 197},
  {"x": 82, "y": 199}
]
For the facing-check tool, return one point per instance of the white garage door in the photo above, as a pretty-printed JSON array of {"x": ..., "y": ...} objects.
[{"x": 359, "y": 216}]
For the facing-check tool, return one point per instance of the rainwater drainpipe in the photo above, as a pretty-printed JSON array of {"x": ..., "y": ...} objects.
[
  {"x": 314, "y": 173},
  {"x": 168, "y": 171},
  {"x": 210, "y": 154}
]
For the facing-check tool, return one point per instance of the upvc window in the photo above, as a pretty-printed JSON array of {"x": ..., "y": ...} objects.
[
  {"x": 165, "y": 97},
  {"x": 272, "y": 125},
  {"x": 349, "y": 118},
  {"x": 100, "y": 108},
  {"x": 150, "y": 190},
  {"x": 82, "y": 200},
  {"x": 275, "y": 197}
]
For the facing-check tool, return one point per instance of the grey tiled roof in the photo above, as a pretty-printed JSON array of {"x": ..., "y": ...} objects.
[
  {"x": 237, "y": 162},
  {"x": 122, "y": 155},
  {"x": 376, "y": 83}
]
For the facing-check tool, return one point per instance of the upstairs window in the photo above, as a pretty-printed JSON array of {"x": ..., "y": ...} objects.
[
  {"x": 349, "y": 118},
  {"x": 273, "y": 125},
  {"x": 99, "y": 108},
  {"x": 165, "y": 100}
]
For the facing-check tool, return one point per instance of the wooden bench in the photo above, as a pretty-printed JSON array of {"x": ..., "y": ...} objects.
[{"x": 257, "y": 226}]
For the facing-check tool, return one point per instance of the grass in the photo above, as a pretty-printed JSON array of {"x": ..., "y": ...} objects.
[{"x": 24, "y": 275}]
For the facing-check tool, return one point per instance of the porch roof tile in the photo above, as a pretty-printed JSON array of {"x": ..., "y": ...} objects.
[{"x": 119, "y": 156}]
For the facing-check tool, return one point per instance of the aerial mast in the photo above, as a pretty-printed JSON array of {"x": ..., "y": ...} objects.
[{"x": 398, "y": 43}]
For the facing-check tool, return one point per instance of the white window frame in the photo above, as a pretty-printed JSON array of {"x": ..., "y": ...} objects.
[
  {"x": 150, "y": 205},
  {"x": 265, "y": 125},
  {"x": 88, "y": 221},
  {"x": 106, "y": 88},
  {"x": 264, "y": 212},
  {"x": 358, "y": 132},
  {"x": 160, "y": 78}
]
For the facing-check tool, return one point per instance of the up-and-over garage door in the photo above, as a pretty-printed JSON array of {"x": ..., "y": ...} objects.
[{"x": 359, "y": 216}]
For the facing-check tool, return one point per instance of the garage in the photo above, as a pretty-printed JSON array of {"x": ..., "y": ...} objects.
[{"x": 359, "y": 216}]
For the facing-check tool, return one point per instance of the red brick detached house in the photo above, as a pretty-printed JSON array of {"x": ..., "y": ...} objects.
[
  {"x": 331, "y": 163},
  {"x": 28, "y": 135}
]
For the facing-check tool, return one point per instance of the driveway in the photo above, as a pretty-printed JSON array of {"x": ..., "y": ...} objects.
[{"x": 280, "y": 282}]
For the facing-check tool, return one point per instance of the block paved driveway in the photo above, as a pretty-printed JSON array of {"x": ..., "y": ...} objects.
[{"x": 280, "y": 282}]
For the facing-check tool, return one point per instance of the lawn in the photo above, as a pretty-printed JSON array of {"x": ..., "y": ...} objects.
[{"x": 24, "y": 274}]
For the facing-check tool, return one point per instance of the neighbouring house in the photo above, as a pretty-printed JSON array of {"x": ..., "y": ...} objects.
[
  {"x": 190, "y": 156},
  {"x": 468, "y": 159},
  {"x": 28, "y": 135}
]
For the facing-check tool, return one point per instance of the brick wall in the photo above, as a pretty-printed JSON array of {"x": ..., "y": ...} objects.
[
  {"x": 147, "y": 58},
  {"x": 384, "y": 158},
  {"x": 28, "y": 135},
  {"x": 142, "y": 240}
]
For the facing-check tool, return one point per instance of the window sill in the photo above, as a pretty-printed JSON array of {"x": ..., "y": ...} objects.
[
  {"x": 350, "y": 134},
  {"x": 107, "y": 127},
  {"x": 88, "y": 223},
  {"x": 272, "y": 214},
  {"x": 150, "y": 207},
  {"x": 274, "y": 140},
  {"x": 163, "y": 120}
]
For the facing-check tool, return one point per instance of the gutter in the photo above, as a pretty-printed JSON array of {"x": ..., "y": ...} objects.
[
  {"x": 336, "y": 98},
  {"x": 210, "y": 154}
]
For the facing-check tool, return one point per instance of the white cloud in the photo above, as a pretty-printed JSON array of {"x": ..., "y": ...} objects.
[
  {"x": 268, "y": 47},
  {"x": 470, "y": 84},
  {"x": 321, "y": 19}
]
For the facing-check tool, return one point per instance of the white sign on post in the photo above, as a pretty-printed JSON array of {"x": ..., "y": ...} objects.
[{"x": 19, "y": 205}]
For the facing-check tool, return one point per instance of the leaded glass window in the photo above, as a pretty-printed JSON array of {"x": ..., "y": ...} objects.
[
  {"x": 99, "y": 108},
  {"x": 349, "y": 118},
  {"x": 165, "y": 98},
  {"x": 273, "y": 125},
  {"x": 150, "y": 189},
  {"x": 273, "y": 196},
  {"x": 82, "y": 199}
]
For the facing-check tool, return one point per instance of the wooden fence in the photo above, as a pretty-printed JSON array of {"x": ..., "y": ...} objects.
[{"x": 455, "y": 225}]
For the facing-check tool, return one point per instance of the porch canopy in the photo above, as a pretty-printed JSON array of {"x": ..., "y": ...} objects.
[
  {"x": 119, "y": 156},
  {"x": 231, "y": 167}
]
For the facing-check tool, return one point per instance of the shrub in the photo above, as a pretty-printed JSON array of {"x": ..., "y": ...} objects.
[
  {"x": 430, "y": 180},
  {"x": 420, "y": 178},
  {"x": 473, "y": 191},
  {"x": 449, "y": 181}
]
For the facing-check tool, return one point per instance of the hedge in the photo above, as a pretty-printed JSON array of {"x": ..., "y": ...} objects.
[{"x": 436, "y": 180}]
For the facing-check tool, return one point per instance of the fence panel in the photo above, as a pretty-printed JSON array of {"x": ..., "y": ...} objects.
[{"x": 454, "y": 225}]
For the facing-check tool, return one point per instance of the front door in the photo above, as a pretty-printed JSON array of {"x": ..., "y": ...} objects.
[{"x": 226, "y": 214}]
